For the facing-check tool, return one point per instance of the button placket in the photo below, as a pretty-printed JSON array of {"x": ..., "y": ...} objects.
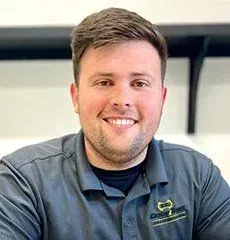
[{"x": 128, "y": 220}]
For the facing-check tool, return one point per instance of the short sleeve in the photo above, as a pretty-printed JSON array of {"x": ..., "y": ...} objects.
[
  {"x": 18, "y": 216},
  {"x": 214, "y": 213}
]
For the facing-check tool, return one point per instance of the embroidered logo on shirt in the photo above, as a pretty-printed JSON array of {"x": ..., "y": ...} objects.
[
  {"x": 165, "y": 206},
  {"x": 167, "y": 213}
]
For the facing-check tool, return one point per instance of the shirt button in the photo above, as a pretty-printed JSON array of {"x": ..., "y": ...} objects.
[{"x": 127, "y": 223}]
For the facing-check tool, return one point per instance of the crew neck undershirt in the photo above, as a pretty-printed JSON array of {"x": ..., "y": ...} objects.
[{"x": 120, "y": 179}]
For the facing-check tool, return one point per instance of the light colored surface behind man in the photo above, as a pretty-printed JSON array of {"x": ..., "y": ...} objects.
[
  {"x": 70, "y": 12},
  {"x": 24, "y": 85},
  {"x": 25, "y": 101}
]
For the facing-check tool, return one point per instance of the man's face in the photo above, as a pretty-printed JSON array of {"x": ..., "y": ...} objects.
[{"x": 119, "y": 99}]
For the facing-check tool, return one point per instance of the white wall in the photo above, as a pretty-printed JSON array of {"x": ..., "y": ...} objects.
[
  {"x": 34, "y": 99},
  {"x": 35, "y": 105},
  {"x": 69, "y": 12}
]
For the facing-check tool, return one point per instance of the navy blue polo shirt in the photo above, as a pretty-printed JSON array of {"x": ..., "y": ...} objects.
[{"x": 49, "y": 191}]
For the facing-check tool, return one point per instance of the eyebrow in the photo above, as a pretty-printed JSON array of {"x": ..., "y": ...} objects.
[
  {"x": 139, "y": 74},
  {"x": 133, "y": 74},
  {"x": 103, "y": 74}
]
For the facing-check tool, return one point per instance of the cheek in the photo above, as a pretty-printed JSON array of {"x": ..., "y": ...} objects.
[
  {"x": 91, "y": 104},
  {"x": 151, "y": 108}
]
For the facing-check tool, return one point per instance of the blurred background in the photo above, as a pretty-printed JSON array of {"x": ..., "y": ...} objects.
[{"x": 35, "y": 71}]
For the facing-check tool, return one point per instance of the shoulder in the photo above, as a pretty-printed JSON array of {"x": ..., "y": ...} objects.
[
  {"x": 176, "y": 151},
  {"x": 51, "y": 149},
  {"x": 185, "y": 160}
]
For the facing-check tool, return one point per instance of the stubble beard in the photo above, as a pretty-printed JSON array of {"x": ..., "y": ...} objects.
[{"x": 106, "y": 151}]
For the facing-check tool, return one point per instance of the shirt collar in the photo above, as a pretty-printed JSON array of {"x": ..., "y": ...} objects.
[
  {"x": 155, "y": 168},
  {"x": 87, "y": 178}
]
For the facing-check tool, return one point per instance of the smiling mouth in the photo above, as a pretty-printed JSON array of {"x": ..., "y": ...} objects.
[{"x": 120, "y": 122}]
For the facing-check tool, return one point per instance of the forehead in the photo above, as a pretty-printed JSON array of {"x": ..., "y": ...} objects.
[{"x": 121, "y": 57}]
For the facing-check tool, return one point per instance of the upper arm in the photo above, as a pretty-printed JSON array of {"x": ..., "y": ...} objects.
[
  {"x": 214, "y": 213},
  {"x": 18, "y": 215}
]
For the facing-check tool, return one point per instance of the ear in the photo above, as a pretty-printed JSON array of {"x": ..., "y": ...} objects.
[
  {"x": 164, "y": 93},
  {"x": 74, "y": 95}
]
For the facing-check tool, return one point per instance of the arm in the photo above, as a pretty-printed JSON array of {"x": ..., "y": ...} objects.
[
  {"x": 18, "y": 216},
  {"x": 214, "y": 212}
]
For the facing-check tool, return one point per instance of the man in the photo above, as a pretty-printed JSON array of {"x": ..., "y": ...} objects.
[{"x": 113, "y": 180}]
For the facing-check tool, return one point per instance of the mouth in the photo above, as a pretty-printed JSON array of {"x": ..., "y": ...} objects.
[{"x": 120, "y": 122}]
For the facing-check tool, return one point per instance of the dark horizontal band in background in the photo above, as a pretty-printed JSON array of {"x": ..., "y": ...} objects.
[{"x": 53, "y": 42}]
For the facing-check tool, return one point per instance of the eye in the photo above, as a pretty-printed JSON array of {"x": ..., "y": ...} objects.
[
  {"x": 104, "y": 83},
  {"x": 140, "y": 84}
]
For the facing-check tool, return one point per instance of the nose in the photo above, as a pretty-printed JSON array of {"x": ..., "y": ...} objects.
[{"x": 121, "y": 96}]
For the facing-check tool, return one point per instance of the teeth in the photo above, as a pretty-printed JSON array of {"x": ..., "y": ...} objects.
[{"x": 121, "y": 122}]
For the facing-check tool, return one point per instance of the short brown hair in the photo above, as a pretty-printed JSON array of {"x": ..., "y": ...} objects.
[{"x": 114, "y": 25}]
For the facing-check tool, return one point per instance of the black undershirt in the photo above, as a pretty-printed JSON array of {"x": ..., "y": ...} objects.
[{"x": 120, "y": 179}]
